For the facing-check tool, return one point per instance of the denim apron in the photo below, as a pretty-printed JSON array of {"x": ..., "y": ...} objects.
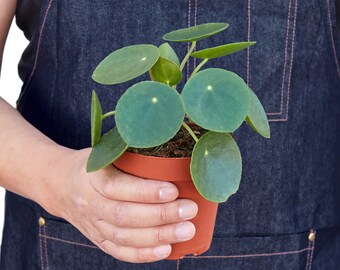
[{"x": 286, "y": 214}]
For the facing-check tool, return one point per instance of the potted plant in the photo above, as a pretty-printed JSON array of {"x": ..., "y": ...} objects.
[{"x": 152, "y": 115}]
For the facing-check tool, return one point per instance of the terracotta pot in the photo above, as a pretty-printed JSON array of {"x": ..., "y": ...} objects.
[{"x": 177, "y": 171}]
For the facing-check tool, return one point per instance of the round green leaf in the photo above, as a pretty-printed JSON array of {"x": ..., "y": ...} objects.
[
  {"x": 149, "y": 114},
  {"x": 167, "y": 52},
  {"x": 96, "y": 119},
  {"x": 195, "y": 33},
  {"x": 257, "y": 117},
  {"x": 217, "y": 100},
  {"x": 110, "y": 147},
  {"x": 222, "y": 50},
  {"x": 126, "y": 64},
  {"x": 216, "y": 166},
  {"x": 166, "y": 72}
]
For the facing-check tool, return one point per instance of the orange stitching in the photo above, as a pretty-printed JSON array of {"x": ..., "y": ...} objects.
[
  {"x": 332, "y": 37},
  {"x": 309, "y": 249},
  {"x": 290, "y": 70},
  {"x": 292, "y": 60},
  {"x": 249, "y": 255},
  {"x": 41, "y": 252},
  {"x": 285, "y": 63},
  {"x": 312, "y": 254},
  {"x": 310, "y": 259},
  {"x": 308, "y": 255},
  {"x": 38, "y": 48},
  {"x": 45, "y": 244},
  {"x": 68, "y": 242},
  {"x": 248, "y": 49},
  {"x": 195, "y": 23},
  {"x": 188, "y": 47}
]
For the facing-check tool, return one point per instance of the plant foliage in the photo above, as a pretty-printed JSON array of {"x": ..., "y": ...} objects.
[{"x": 151, "y": 113}]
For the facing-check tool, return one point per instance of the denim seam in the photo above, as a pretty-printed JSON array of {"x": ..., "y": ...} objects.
[
  {"x": 310, "y": 250},
  {"x": 38, "y": 48},
  {"x": 308, "y": 255},
  {"x": 45, "y": 244},
  {"x": 292, "y": 60},
  {"x": 312, "y": 255},
  {"x": 248, "y": 49},
  {"x": 331, "y": 35},
  {"x": 188, "y": 47},
  {"x": 247, "y": 255},
  {"x": 195, "y": 23},
  {"x": 310, "y": 258},
  {"x": 67, "y": 241},
  {"x": 285, "y": 62},
  {"x": 241, "y": 256},
  {"x": 284, "y": 119},
  {"x": 194, "y": 257},
  {"x": 41, "y": 250}
]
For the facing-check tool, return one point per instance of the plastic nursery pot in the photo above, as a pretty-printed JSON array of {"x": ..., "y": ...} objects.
[{"x": 177, "y": 171}]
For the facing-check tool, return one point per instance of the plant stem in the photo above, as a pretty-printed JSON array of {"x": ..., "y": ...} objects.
[
  {"x": 190, "y": 131},
  {"x": 193, "y": 45},
  {"x": 108, "y": 114},
  {"x": 198, "y": 67}
]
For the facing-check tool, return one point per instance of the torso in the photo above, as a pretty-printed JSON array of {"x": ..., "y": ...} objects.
[{"x": 290, "y": 182}]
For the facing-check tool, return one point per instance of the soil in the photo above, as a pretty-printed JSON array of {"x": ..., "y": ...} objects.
[{"x": 179, "y": 146}]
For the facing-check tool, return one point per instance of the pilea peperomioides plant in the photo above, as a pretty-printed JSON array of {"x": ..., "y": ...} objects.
[{"x": 150, "y": 113}]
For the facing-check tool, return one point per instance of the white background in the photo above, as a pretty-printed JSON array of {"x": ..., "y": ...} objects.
[{"x": 10, "y": 83}]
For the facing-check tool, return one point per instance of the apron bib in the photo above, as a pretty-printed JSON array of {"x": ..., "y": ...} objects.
[{"x": 286, "y": 214}]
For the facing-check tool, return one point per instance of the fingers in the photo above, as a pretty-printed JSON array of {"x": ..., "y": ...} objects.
[
  {"x": 136, "y": 215},
  {"x": 133, "y": 254},
  {"x": 124, "y": 187},
  {"x": 147, "y": 237},
  {"x": 136, "y": 255},
  {"x": 130, "y": 218}
]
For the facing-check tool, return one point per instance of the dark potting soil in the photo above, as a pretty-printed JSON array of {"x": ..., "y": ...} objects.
[{"x": 179, "y": 146}]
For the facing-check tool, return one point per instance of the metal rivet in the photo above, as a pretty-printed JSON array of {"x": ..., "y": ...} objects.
[
  {"x": 41, "y": 221},
  {"x": 311, "y": 236}
]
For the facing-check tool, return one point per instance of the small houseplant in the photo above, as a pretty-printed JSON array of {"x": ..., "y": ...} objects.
[{"x": 213, "y": 103}]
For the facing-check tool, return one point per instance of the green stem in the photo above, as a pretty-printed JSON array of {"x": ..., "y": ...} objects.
[
  {"x": 193, "y": 45},
  {"x": 190, "y": 131},
  {"x": 198, "y": 67},
  {"x": 108, "y": 114}
]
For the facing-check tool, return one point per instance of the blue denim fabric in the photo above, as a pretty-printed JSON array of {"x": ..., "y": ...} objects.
[{"x": 291, "y": 183}]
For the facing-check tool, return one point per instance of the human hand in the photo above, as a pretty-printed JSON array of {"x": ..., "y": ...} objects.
[{"x": 129, "y": 218}]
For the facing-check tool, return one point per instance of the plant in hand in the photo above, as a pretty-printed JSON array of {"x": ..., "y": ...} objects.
[{"x": 151, "y": 113}]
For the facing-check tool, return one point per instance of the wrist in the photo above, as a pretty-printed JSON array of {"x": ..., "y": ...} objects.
[{"x": 50, "y": 192}]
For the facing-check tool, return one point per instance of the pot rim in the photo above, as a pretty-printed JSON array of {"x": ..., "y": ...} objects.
[{"x": 158, "y": 158}]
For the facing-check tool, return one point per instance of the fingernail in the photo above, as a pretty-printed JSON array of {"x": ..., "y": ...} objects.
[
  {"x": 185, "y": 231},
  {"x": 168, "y": 193},
  {"x": 188, "y": 211},
  {"x": 162, "y": 251}
]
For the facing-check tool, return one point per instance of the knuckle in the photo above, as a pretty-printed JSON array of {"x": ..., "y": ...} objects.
[
  {"x": 81, "y": 203},
  {"x": 103, "y": 245},
  {"x": 141, "y": 256},
  {"x": 142, "y": 192},
  {"x": 160, "y": 236},
  {"x": 119, "y": 237},
  {"x": 163, "y": 214},
  {"x": 108, "y": 186},
  {"x": 111, "y": 249},
  {"x": 94, "y": 236},
  {"x": 114, "y": 252},
  {"x": 120, "y": 214}
]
